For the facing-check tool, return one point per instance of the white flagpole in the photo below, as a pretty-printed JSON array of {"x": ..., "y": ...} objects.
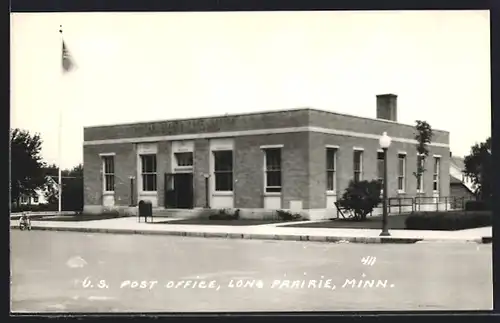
[{"x": 60, "y": 132}]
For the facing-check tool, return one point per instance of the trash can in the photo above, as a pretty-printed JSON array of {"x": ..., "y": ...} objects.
[{"x": 145, "y": 210}]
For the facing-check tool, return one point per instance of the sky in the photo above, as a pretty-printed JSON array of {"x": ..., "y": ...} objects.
[{"x": 157, "y": 66}]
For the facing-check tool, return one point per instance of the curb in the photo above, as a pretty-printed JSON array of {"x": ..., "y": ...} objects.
[{"x": 259, "y": 236}]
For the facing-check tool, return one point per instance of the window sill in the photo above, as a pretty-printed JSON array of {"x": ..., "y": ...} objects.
[
  {"x": 272, "y": 194},
  {"x": 331, "y": 193},
  {"x": 223, "y": 193},
  {"x": 401, "y": 192},
  {"x": 181, "y": 169},
  {"x": 148, "y": 193},
  {"x": 108, "y": 193}
]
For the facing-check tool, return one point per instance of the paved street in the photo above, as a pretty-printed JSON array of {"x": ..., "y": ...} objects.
[{"x": 168, "y": 273}]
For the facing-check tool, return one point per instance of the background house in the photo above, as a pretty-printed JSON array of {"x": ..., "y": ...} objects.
[
  {"x": 40, "y": 194},
  {"x": 460, "y": 184}
]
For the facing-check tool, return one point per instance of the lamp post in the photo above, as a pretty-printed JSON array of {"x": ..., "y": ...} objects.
[
  {"x": 385, "y": 142},
  {"x": 207, "y": 198}
]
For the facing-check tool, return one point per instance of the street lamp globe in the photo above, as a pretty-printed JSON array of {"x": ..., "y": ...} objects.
[{"x": 385, "y": 140}]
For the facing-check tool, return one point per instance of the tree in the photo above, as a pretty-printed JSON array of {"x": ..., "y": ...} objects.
[
  {"x": 478, "y": 166},
  {"x": 423, "y": 137},
  {"x": 26, "y": 164},
  {"x": 361, "y": 198},
  {"x": 72, "y": 190}
]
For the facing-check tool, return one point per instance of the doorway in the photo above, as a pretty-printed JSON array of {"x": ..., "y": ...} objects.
[{"x": 179, "y": 191}]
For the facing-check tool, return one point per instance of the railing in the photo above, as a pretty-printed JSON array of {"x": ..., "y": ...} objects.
[
  {"x": 450, "y": 202},
  {"x": 400, "y": 205}
]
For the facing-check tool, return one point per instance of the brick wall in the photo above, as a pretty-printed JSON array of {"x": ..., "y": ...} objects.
[
  {"x": 345, "y": 171},
  {"x": 125, "y": 166},
  {"x": 303, "y": 156},
  {"x": 247, "y": 168},
  {"x": 299, "y": 162},
  {"x": 163, "y": 162},
  {"x": 317, "y": 171},
  {"x": 200, "y": 167},
  {"x": 370, "y": 126},
  {"x": 295, "y": 173},
  {"x": 277, "y": 119},
  {"x": 249, "y": 165}
]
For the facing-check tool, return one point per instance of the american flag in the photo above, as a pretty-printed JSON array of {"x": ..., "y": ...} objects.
[{"x": 67, "y": 59}]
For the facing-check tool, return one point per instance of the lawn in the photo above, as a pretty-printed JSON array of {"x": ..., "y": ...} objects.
[
  {"x": 239, "y": 222},
  {"x": 79, "y": 217},
  {"x": 32, "y": 217},
  {"x": 373, "y": 222},
  {"x": 441, "y": 221}
]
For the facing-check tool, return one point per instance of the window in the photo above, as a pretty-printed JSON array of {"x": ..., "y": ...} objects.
[
  {"x": 24, "y": 199},
  {"x": 380, "y": 167},
  {"x": 35, "y": 199},
  {"x": 109, "y": 173},
  {"x": 148, "y": 169},
  {"x": 184, "y": 159},
  {"x": 401, "y": 172},
  {"x": 223, "y": 170},
  {"x": 420, "y": 178},
  {"x": 331, "y": 177},
  {"x": 273, "y": 170},
  {"x": 435, "y": 179},
  {"x": 358, "y": 165}
]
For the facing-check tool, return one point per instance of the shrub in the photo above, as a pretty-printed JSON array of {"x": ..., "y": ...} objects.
[
  {"x": 361, "y": 198},
  {"x": 224, "y": 214},
  {"x": 477, "y": 206},
  {"x": 448, "y": 220},
  {"x": 287, "y": 216},
  {"x": 35, "y": 208}
]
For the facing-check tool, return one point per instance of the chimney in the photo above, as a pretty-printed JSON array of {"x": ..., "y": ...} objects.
[{"x": 387, "y": 107}]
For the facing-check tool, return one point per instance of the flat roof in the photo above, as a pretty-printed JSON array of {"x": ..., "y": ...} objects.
[{"x": 255, "y": 113}]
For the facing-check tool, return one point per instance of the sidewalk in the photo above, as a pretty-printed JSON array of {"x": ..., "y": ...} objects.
[{"x": 263, "y": 232}]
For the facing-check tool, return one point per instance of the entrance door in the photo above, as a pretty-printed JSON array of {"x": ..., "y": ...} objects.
[
  {"x": 183, "y": 184},
  {"x": 179, "y": 191}
]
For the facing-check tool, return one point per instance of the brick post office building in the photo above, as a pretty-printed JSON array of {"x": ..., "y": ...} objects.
[{"x": 297, "y": 159}]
